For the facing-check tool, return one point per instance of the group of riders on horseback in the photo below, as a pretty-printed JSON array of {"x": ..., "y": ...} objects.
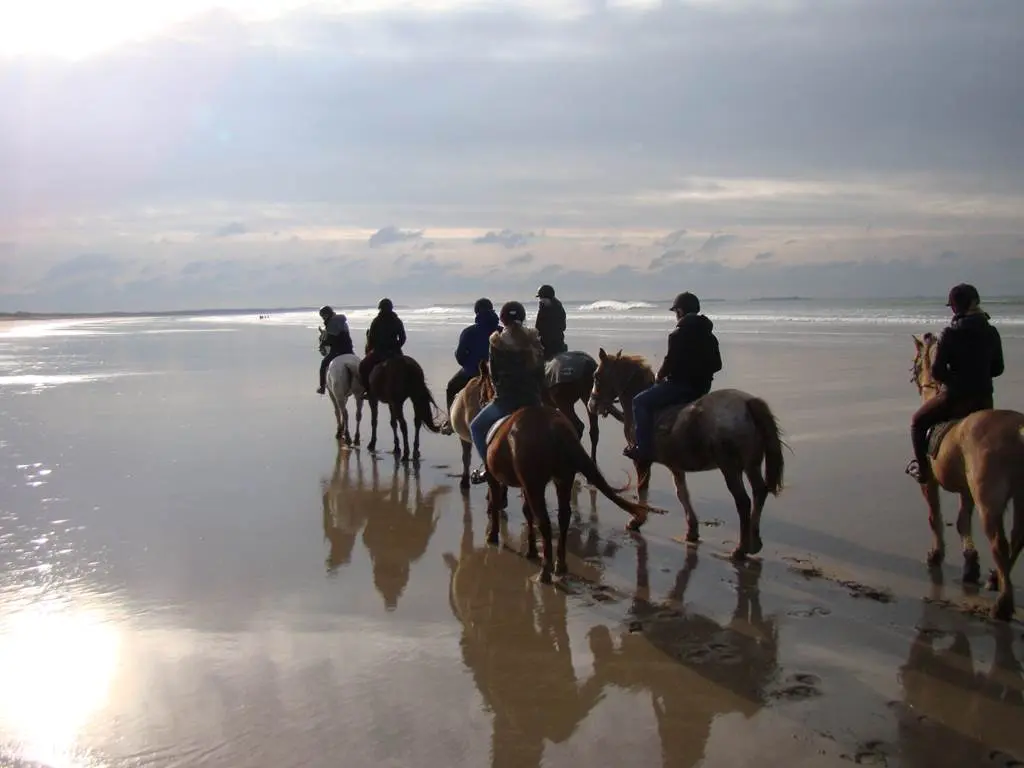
[{"x": 969, "y": 356}]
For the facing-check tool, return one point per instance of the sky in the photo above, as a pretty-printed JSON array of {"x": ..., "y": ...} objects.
[{"x": 202, "y": 154}]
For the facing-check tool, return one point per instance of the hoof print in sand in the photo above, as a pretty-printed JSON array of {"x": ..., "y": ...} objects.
[
  {"x": 871, "y": 593},
  {"x": 807, "y": 613},
  {"x": 869, "y": 753},
  {"x": 713, "y": 523},
  {"x": 798, "y": 687}
]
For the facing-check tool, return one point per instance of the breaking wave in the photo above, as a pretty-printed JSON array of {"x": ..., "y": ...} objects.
[{"x": 610, "y": 305}]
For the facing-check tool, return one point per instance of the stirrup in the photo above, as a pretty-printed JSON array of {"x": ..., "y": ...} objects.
[
  {"x": 447, "y": 429},
  {"x": 913, "y": 469},
  {"x": 479, "y": 475}
]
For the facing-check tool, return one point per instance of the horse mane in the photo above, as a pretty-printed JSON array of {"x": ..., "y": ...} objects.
[{"x": 637, "y": 360}]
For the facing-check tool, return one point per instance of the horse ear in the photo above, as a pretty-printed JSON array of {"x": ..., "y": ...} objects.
[
  {"x": 601, "y": 354},
  {"x": 928, "y": 338},
  {"x": 917, "y": 341},
  {"x": 619, "y": 353}
]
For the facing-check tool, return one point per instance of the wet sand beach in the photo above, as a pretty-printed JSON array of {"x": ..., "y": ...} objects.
[{"x": 193, "y": 574}]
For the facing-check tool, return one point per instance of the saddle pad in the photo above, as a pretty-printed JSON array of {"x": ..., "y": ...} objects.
[
  {"x": 494, "y": 429},
  {"x": 568, "y": 366},
  {"x": 935, "y": 435}
]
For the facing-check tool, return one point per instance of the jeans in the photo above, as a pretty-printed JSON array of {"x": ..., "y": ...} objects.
[
  {"x": 324, "y": 364},
  {"x": 940, "y": 408},
  {"x": 484, "y": 420},
  {"x": 456, "y": 384},
  {"x": 661, "y": 395}
]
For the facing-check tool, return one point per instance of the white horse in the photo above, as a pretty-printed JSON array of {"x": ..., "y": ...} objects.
[{"x": 343, "y": 381}]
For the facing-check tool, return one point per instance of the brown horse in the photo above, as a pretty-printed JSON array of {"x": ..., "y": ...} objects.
[
  {"x": 727, "y": 430},
  {"x": 393, "y": 381},
  {"x": 535, "y": 445},
  {"x": 981, "y": 459},
  {"x": 569, "y": 379}
]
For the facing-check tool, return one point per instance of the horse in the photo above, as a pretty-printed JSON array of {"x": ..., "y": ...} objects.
[
  {"x": 981, "y": 459},
  {"x": 569, "y": 378},
  {"x": 343, "y": 381},
  {"x": 528, "y": 449},
  {"x": 469, "y": 401},
  {"x": 393, "y": 381},
  {"x": 728, "y": 430}
]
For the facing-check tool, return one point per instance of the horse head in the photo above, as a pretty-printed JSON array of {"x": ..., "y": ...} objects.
[
  {"x": 921, "y": 369},
  {"x": 611, "y": 378}
]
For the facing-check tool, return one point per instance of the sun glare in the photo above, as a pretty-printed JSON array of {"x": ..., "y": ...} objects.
[{"x": 57, "y": 664}]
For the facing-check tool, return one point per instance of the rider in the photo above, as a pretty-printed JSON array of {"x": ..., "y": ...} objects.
[
  {"x": 968, "y": 356},
  {"x": 337, "y": 337},
  {"x": 517, "y": 373},
  {"x": 692, "y": 360},
  {"x": 550, "y": 322},
  {"x": 384, "y": 339},
  {"x": 473, "y": 346}
]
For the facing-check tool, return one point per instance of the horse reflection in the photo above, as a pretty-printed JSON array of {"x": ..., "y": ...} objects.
[
  {"x": 515, "y": 642},
  {"x": 694, "y": 668},
  {"x": 954, "y": 714},
  {"x": 397, "y": 522}
]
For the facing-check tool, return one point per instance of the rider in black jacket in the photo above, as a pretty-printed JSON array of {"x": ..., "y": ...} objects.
[{"x": 385, "y": 338}]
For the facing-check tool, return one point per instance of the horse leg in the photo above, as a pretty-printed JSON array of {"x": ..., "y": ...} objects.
[
  {"x": 595, "y": 433},
  {"x": 938, "y": 551},
  {"x": 394, "y": 428},
  {"x": 683, "y": 494},
  {"x": 494, "y": 495},
  {"x": 1017, "y": 537},
  {"x": 563, "y": 492},
  {"x": 416, "y": 424},
  {"x": 760, "y": 491},
  {"x": 374, "y": 406},
  {"x": 734, "y": 482},
  {"x": 992, "y": 519},
  {"x": 359, "y": 418},
  {"x": 467, "y": 455},
  {"x": 531, "y": 532},
  {"x": 972, "y": 567},
  {"x": 337, "y": 416},
  {"x": 344, "y": 424},
  {"x": 534, "y": 493}
]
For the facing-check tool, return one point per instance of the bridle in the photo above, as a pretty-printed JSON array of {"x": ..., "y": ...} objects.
[
  {"x": 915, "y": 377},
  {"x": 622, "y": 388}
]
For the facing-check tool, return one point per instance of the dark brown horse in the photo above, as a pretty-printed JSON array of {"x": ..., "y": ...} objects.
[
  {"x": 532, "y": 447},
  {"x": 570, "y": 379},
  {"x": 393, "y": 381}
]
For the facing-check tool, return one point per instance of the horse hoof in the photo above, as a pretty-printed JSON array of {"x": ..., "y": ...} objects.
[
  {"x": 356, "y": 441},
  {"x": 935, "y": 557},
  {"x": 532, "y": 555},
  {"x": 544, "y": 577},
  {"x": 992, "y": 583},
  {"x": 561, "y": 569},
  {"x": 405, "y": 458},
  {"x": 692, "y": 537},
  {"x": 1003, "y": 609},
  {"x": 739, "y": 554},
  {"x": 756, "y": 545},
  {"x": 972, "y": 569},
  {"x": 464, "y": 483},
  {"x": 635, "y": 525}
]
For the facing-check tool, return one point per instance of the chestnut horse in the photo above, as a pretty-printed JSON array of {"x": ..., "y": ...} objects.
[
  {"x": 532, "y": 447},
  {"x": 981, "y": 459},
  {"x": 727, "y": 430},
  {"x": 393, "y": 381}
]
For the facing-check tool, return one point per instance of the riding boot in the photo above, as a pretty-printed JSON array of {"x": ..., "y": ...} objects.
[{"x": 480, "y": 475}]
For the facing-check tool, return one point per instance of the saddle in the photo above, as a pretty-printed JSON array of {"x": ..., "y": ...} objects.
[
  {"x": 494, "y": 429},
  {"x": 936, "y": 435},
  {"x": 566, "y": 367}
]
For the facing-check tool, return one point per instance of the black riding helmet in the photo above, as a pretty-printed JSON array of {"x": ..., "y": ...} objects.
[
  {"x": 483, "y": 305},
  {"x": 545, "y": 292},
  {"x": 961, "y": 297},
  {"x": 385, "y": 305},
  {"x": 686, "y": 303},
  {"x": 513, "y": 312},
  {"x": 326, "y": 311}
]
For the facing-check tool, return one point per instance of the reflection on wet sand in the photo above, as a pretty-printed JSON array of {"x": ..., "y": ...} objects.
[
  {"x": 951, "y": 713},
  {"x": 516, "y": 644},
  {"x": 694, "y": 668},
  {"x": 396, "y": 533}
]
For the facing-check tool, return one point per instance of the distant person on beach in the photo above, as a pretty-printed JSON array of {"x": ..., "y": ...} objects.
[
  {"x": 968, "y": 357},
  {"x": 337, "y": 337},
  {"x": 473, "y": 346},
  {"x": 384, "y": 338},
  {"x": 686, "y": 373},
  {"x": 550, "y": 322},
  {"x": 517, "y": 373}
]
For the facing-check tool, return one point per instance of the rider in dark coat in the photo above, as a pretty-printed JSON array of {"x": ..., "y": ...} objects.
[
  {"x": 550, "y": 322},
  {"x": 686, "y": 373},
  {"x": 473, "y": 346},
  {"x": 968, "y": 356},
  {"x": 384, "y": 339},
  {"x": 337, "y": 337}
]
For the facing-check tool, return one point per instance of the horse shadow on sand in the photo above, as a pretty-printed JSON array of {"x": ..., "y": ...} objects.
[
  {"x": 516, "y": 644},
  {"x": 397, "y": 521}
]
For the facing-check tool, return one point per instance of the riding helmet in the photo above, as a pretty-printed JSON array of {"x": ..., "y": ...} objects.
[
  {"x": 326, "y": 311},
  {"x": 483, "y": 305},
  {"x": 545, "y": 292},
  {"x": 962, "y": 296},
  {"x": 513, "y": 312},
  {"x": 686, "y": 303},
  {"x": 385, "y": 305}
]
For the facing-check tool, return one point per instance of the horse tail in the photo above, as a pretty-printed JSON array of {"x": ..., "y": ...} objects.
[
  {"x": 768, "y": 429},
  {"x": 580, "y": 461},
  {"x": 423, "y": 403}
]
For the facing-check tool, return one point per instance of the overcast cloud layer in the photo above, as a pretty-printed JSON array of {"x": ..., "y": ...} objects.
[{"x": 870, "y": 148}]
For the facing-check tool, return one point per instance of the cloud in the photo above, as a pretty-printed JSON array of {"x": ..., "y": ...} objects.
[
  {"x": 949, "y": 256},
  {"x": 764, "y": 255},
  {"x": 391, "y": 234},
  {"x": 506, "y": 237},
  {"x": 668, "y": 257},
  {"x": 671, "y": 239},
  {"x": 233, "y": 228},
  {"x": 716, "y": 243},
  {"x": 521, "y": 259}
]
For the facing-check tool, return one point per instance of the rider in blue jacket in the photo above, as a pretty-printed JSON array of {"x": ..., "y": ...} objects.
[{"x": 474, "y": 347}]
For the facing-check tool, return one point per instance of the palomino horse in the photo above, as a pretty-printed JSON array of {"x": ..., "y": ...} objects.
[
  {"x": 535, "y": 445},
  {"x": 727, "y": 430},
  {"x": 469, "y": 401},
  {"x": 393, "y": 381},
  {"x": 981, "y": 459},
  {"x": 343, "y": 381}
]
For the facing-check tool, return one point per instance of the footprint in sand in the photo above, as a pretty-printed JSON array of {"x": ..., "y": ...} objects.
[{"x": 798, "y": 687}]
